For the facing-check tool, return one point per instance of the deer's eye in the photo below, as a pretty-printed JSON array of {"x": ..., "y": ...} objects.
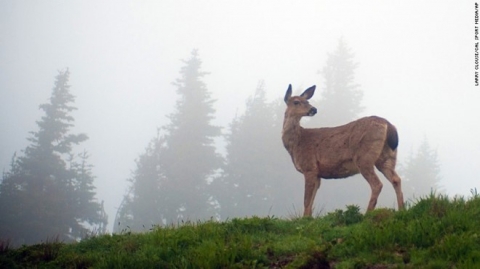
[{"x": 296, "y": 102}]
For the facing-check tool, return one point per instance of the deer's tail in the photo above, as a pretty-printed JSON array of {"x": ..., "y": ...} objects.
[{"x": 392, "y": 136}]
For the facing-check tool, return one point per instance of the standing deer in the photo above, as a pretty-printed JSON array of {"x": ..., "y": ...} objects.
[{"x": 339, "y": 152}]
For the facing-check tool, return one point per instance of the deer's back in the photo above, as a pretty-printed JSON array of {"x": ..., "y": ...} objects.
[{"x": 331, "y": 151}]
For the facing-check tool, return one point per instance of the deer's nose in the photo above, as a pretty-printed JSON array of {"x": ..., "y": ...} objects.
[{"x": 312, "y": 111}]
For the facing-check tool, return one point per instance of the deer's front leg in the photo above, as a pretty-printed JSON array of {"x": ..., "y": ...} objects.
[{"x": 312, "y": 183}]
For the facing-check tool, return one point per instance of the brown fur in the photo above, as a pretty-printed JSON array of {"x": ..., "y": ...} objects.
[{"x": 339, "y": 152}]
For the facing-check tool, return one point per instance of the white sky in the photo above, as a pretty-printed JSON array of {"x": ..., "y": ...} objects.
[{"x": 416, "y": 68}]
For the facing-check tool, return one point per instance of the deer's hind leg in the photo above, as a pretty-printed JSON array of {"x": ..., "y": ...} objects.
[
  {"x": 375, "y": 185},
  {"x": 386, "y": 165},
  {"x": 366, "y": 156}
]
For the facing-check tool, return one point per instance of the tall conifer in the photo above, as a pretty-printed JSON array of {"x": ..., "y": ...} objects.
[
  {"x": 49, "y": 192},
  {"x": 422, "y": 172},
  {"x": 339, "y": 99},
  {"x": 258, "y": 178},
  {"x": 170, "y": 183},
  {"x": 190, "y": 159}
]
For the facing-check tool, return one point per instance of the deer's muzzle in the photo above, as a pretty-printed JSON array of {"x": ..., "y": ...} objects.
[{"x": 312, "y": 111}]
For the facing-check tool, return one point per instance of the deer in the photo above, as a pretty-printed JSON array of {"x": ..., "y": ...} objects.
[{"x": 339, "y": 152}]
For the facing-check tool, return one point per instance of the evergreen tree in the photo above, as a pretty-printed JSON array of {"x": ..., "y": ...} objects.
[
  {"x": 254, "y": 180},
  {"x": 171, "y": 180},
  {"x": 189, "y": 160},
  {"x": 421, "y": 174},
  {"x": 47, "y": 193},
  {"x": 83, "y": 195},
  {"x": 341, "y": 97},
  {"x": 247, "y": 169},
  {"x": 141, "y": 207}
]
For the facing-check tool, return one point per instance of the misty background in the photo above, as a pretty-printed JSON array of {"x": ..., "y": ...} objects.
[{"x": 415, "y": 68}]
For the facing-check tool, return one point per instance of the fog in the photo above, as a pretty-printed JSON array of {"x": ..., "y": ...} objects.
[{"x": 416, "y": 68}]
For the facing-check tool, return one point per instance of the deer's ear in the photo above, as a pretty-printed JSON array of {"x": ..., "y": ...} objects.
[
  {"x": 288, "y": 94},
  {"x": 308, "y": 93}
]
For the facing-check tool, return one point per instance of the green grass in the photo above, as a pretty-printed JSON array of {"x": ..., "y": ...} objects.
[{"x": 435, "y": 232}]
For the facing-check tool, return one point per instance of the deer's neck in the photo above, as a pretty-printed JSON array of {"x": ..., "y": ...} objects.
[{"x": 291, "y": 133}]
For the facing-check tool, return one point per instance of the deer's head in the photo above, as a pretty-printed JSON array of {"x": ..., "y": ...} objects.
[{"x": 298, "y": 106}]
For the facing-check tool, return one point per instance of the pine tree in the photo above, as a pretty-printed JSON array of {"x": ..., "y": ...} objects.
[
  {"x": 171, "y": 180},
  {"x": 83, "y": 197},
  {"x": 47, "y": 193},
  {"x": 341, "y": 97},
  {"x": 247, "y": 169},
  {"x": 141, "y": 207},
  {"x": 189, "y": 159},
  {"x": 254, "y": 180},
  {"x": 421, "y": 174}
]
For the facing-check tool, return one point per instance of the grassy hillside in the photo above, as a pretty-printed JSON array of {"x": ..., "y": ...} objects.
[{"x": 436, "y": 232}]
